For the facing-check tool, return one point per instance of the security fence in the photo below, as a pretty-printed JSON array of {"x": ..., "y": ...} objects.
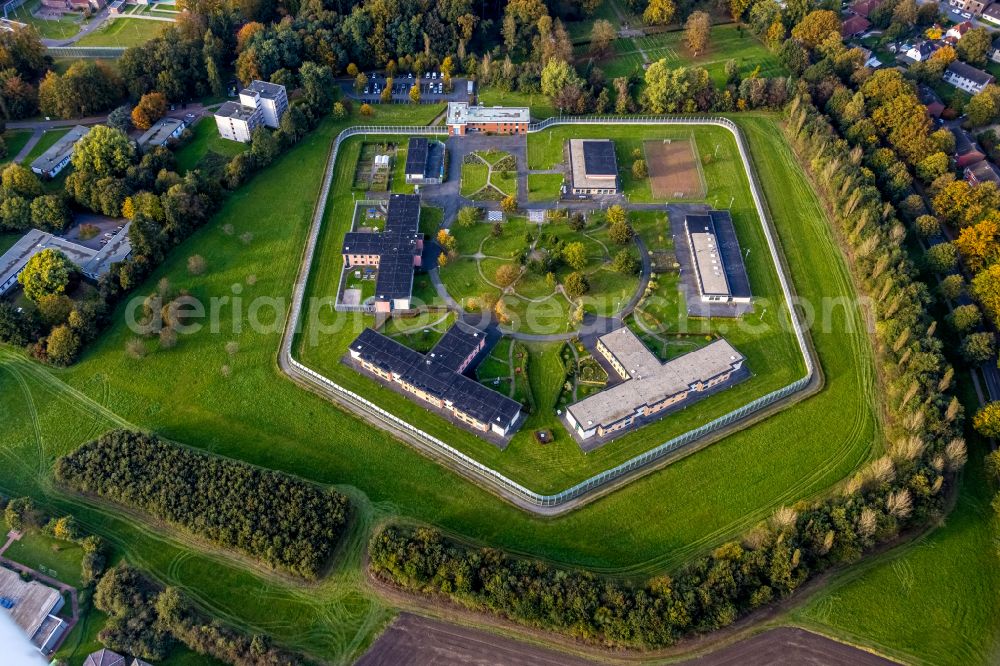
[
  {"x": 506, "y": 487},
  {"x": 85, "y": 51}
]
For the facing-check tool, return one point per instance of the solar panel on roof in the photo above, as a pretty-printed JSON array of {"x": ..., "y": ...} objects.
[{"x": 416, "y": 155}]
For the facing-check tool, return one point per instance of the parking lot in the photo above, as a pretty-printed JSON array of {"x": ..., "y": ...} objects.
[{"x": 432, "y": 89}]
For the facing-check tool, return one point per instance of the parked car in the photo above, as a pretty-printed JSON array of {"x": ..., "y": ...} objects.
[{"x": 966, "y": 15}]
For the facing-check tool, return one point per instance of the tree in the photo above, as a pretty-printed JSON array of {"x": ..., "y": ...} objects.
[
  {"x": 121, "y": 118},
  {"x": 360, "y": 82},
  {"x": 87, "y": 87},
  {"x": 616, "y": 214},
  {"x": 16, "y": 328},
  {"x": 263, "y": 146},
  {"x": 620, "y": 232},
  {"x": 50, "y": 212},
  {"x": 575, "y": 255},
  {"x": 448, "y": 242},
  {"x": 62, "y": 345},
  {"x": 196, "y": 264},
  {"x": 625, "y": 263},
  {"x": 506, "y": 275},
  {"x": 964, "y": 318},
  {"x": 697, "y": 30},
  {"x": 557, "y": 75},
  {"x": 952, "y": 287},
  {"x": 508, "y": 204},
  {"x": 974, "y": 45},
  {"x": 639, "y": 169},
  {"x": 20, "y": 181},
  {"x": 983, "y": 107},
  {"x": 942, "y": 258},
  {"x": 339, "y": 110},
  {"x": 979, "y": 347},
  {"x": 415, "y": 93},
  {"x": 104, "y": 152},
  {"x": 151, "y": 107},
  {"x": 48, "y": 272},
  {"x": 15, "y": 214},
  {"x": 987, "y": 420},
  {"x": 468, "y": 216},
  {"x": 927, "y": 226},
  {"x": 986, "y": 290},
  {"x": 816, "y": 27},
  {"x": 659, "y": 12},
  {"x": 602, "y": 35},
  {"x": 576, "y": 285}
]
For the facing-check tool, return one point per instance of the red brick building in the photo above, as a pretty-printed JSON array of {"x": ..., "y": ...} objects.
[{"x": 464, "y": 119}]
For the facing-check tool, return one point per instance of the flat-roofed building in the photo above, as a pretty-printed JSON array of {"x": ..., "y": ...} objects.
[
  {"x": 716, "y": 258},
  {"x": 463, "y": 119},
  {"x": 33, "y": 607},
  {"x": 59, "y": 154},
  {"x": 650, "y": 386},
  {"x": 424, "y": 161},
  {"x": 237, "y": 122},
  {"x": 160, "y": 134},
  {"x": 436, "y": 377},
  {"x": 270, "y": 98},
  {"x": 393, "y": 252},
  {"x": 593, "y": 166},
  {"x": 92, "y": 262}
]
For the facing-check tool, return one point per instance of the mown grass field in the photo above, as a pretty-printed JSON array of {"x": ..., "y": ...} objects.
[
  {"x": 727, "y": 42},
  {"x": 206, "y": 140},
  {"x": 650, "y": 526},
  {"x": 15, "y": 140},
  {"x": 123, "y": 32},
  {"x": 47, "y": 141},
  {"x": 934, "y": 601},
  {"x": 59, "y": 559}
]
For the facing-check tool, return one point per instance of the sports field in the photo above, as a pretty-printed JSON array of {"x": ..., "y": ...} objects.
[
  {"x": 674, "y": 169},
  {"x": 650, "y": 526}
]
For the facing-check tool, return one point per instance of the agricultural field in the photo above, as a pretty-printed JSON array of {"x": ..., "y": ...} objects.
[
  {"x": 123, "y": 32},
  {"x": 206, "y": 149},
  {"x": 651, "y": 526},
  {"x": 727, "y": 42}
]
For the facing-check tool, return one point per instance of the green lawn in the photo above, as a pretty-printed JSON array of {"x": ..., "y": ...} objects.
[
  {"x": 59, "y": 559},
  {"x": 540, "y": 105},
  {"x": 206, "y": 140},
  {"x": 650, "y": 526},
  {"x": 475, "y": 176},
  {"x": 15, "y": 140},
  {"x": 544, "y": 186},
  {"x": 62, "y": 28},
  {"x": 7, "y": 240},
  {"x": 123, "y": 32},
  {"x": 934, "y": 601},
  {"x": 727, "y": 42}
]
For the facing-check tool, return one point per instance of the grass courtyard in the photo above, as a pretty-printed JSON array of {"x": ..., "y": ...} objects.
[
  {"x": 123, "y": 32},
  {"x": 59, "y": 559},
  {"x": 206, "y": 147},
  {"x": 61, "y": 28},
  {"x": 650, "y": 526}
]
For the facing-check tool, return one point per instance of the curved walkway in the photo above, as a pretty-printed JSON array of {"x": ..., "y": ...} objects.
[{"x": 489, "y": 478}]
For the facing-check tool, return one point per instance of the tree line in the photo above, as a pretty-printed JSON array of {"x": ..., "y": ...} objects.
[
  {"x": 274, "y": 518},
  {"x": 146, "y": 620}
]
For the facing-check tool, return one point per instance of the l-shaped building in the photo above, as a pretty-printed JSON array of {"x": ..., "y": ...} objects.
[
  {"x": 650, "y": 386},
  {"x": 436, "y": 377}
]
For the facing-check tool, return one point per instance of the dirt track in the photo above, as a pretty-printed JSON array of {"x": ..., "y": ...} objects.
[
  {"x": 416, "y": 641},
  {"x": 673, "y": 169}
]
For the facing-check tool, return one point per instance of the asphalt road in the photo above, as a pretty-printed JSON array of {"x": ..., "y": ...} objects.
[{"x": 414, "y": 641}]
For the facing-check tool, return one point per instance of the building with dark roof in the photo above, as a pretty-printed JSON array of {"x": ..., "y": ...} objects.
[
  {"x": 992, "y": 14},
  {"x": 393, "y": 252},
  {"x": 966, "y": 77},
  {"x": 650, "y": 386},
  {"x": 716, "y": 257},
  {"x": 424, "y": 161},
  {"x": 104, "y": 657},
  {"x": 967, "y": 152},
  {"x": 593, "y": 166},
  {"x": 865, "y": 7},
  {"x": 33, "y": 607},
  {"x": 982, "y": 172},
  {"x": 921, "y": 51},
  {"x": 929, "y": 98},
  {"x": 58, "y": 156},
  {"x": 436, "y": 377}
]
